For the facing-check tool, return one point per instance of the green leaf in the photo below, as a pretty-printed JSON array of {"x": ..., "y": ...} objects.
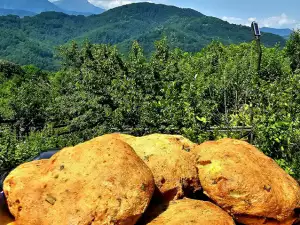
[{"x": 202, "y": 119}]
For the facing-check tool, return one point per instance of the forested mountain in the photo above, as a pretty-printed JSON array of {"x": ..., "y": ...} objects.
[
  {"x": 32, "y": 40},
  {"x": 35, "y": 6},
  {"x": 281, "y": 32},
  {"x": 82, "y": 6}
]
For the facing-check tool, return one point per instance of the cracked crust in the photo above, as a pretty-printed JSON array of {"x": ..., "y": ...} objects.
[
  {"x": 171, "y": 162},
  {"x": 192, "y": 212},
  {"x": 243, "y": 181},
  {"x": 99, "y": 182}
]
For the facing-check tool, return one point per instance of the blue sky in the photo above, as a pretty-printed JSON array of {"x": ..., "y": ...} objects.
[{"x": 271, "y": 13}]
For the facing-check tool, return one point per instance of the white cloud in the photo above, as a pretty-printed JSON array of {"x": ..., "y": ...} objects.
[
  {"x": 234, "y": 20},
  {"x": 108, "y": 4},
  {"x": 278, "y": 21},
  {"x": 249, "y": 21},
  {"x": 281, "y": 21},
  {"x": 239, "y": 21}
]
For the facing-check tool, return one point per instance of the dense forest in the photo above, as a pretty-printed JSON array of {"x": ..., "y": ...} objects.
[
  {"x": 32, "y": 40},
  {"x": 204, "y": 95}
]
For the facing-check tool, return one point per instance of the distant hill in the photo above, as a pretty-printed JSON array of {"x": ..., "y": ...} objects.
[
  {"x": 32, "y": 40},
  {"x": 36, "y": 6},
  {"x": 21, "y": 13},
  {"x": 81, "y": 6},
  {"x": 32, "y": 7},
  {"x": 281, "y": 32}
]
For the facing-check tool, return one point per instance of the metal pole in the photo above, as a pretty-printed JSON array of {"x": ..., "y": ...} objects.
[
  {"x": 259, "y": 54},
  {"x": 259, "y": 50},
  {"x": 257, "y": 34}
]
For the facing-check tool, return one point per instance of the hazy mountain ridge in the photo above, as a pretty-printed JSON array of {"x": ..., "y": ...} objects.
[
  {"x": 286, "y": 32},
  {"x": 78, "y": 6},
  {"x": 32, "y": 7},
  {"x": 21, "y": 13},
  {"x": 36, "y": 6},
  {"x": 145, "y": 22}
]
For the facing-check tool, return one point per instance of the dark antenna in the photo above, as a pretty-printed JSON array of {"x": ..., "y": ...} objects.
[
  {"x": 257, "y": 34},
  {"x": 255, "y": 29}
]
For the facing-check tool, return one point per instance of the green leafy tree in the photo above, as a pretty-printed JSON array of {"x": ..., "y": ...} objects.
[
  {"x": 214, "y": 93},
  {"x": 293, "y": 49}
]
